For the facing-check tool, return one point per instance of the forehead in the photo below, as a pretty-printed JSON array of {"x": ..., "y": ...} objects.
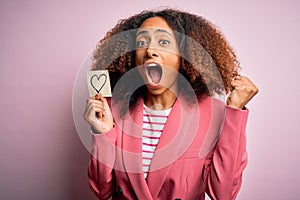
[{"x": 155, "y": 23}]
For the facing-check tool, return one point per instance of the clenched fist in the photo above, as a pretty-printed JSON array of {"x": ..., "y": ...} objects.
[
  {"x": 243, "y": 91},
  {"x": 98, "y": 114}
]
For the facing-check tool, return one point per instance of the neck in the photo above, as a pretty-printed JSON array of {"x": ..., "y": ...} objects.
[{"x": 160, "y": 102}]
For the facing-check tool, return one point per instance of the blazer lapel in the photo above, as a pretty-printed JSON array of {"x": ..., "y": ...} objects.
[
  {"x": 174, "y": 140},
  {"x": 132, "y": 151}
]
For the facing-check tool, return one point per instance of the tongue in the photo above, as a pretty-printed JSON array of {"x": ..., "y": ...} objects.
[{"x": 155, "y": 75}]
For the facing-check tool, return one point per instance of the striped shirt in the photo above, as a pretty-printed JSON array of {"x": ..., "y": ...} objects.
[{"x": 153, "y": 125}]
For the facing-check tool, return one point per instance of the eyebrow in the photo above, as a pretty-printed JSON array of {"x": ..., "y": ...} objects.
[{"x": 156, "y": 31}]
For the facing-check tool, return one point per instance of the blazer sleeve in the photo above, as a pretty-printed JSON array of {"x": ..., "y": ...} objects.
[
  {"x": 100, "y": 169},
  {"x": 226, "y": 163}
]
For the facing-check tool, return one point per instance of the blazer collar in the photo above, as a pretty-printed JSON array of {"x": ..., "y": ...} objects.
[
  {"x": 178, "y": 134},
  {"x": 132, "y": 151}
]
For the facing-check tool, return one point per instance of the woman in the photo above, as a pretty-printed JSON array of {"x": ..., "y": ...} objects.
[{"x": 162, "y": 135}]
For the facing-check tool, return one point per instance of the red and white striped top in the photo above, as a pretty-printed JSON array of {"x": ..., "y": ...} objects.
[{"x": 153, "y": 125}]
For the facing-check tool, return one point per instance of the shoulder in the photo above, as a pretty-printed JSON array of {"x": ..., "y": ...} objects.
[{"x": 211, "y": 103}]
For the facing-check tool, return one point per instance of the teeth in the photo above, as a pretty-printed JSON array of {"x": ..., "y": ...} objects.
[
  {"x": 154, "y": 72},
  {"x": 152, "y": 65}
]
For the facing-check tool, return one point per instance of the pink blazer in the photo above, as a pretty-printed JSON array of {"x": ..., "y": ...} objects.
[{"x": 202, "y": 149}]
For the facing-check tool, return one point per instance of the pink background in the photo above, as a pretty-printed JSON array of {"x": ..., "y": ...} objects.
[{"x": 43, "y": 44}]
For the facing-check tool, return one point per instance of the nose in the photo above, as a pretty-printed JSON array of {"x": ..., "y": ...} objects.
[{"x": 152, "y": 51}]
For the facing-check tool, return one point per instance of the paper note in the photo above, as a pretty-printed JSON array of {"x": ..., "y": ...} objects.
[{"x": 98, "y": 82}]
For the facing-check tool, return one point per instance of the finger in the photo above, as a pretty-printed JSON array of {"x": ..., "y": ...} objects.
[
  {"x": 94, "y": 102},
  {"x": 99, "y": 101},
  {"x": 101, "y": 98},
  {"x": 107, "y": 111},
  {"x": 104, "y": 101},
  {"x": 245, "y": 79},
  {"x": 91, "y": 110},
  {"x": 95, "y": 114},
  {"x": 98, "y": 96},
  {"x": 95, "y": 106},
  {"x": 244, "y": 83},
  {"x": 94, "y": 111},
  {"x": 89, "y": 114},
  {"x": 251, "y": 85},
  {"x": 236, "y": 83},
  {"x": 93, "y": 99},
  {"x": 240, "y": 80},
  {"x": 238, "y": 77}
]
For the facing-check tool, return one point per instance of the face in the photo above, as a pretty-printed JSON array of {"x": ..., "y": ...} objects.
[{"x": 157, "y": 55}]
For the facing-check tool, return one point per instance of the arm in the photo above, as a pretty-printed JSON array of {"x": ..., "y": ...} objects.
[
  {"x": 229, "y": 158},
  {"x": 100, "y": 170},
  {"x": 226, "y": 163}
]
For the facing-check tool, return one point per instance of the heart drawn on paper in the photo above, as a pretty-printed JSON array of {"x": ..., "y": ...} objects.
[{"x": 96, "y": 81}]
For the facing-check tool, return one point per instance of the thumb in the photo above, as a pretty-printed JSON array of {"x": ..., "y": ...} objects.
[{"x": 107, "y": 110}]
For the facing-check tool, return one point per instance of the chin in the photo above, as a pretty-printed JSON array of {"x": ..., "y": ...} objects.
[{"x": 155, "y": 90}]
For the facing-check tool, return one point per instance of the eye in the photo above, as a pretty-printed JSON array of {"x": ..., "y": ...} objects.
[
  {"x": 141, "y": 43},
  {"x": 164, "y": 42}
]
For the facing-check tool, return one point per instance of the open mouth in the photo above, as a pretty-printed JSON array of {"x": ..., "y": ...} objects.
[{"x": 154, "y": 72}]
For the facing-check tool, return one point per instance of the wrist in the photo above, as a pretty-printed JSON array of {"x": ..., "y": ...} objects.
[
  {"x": 103, "y": 130},
  {"x": 241, "y": 107}
]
